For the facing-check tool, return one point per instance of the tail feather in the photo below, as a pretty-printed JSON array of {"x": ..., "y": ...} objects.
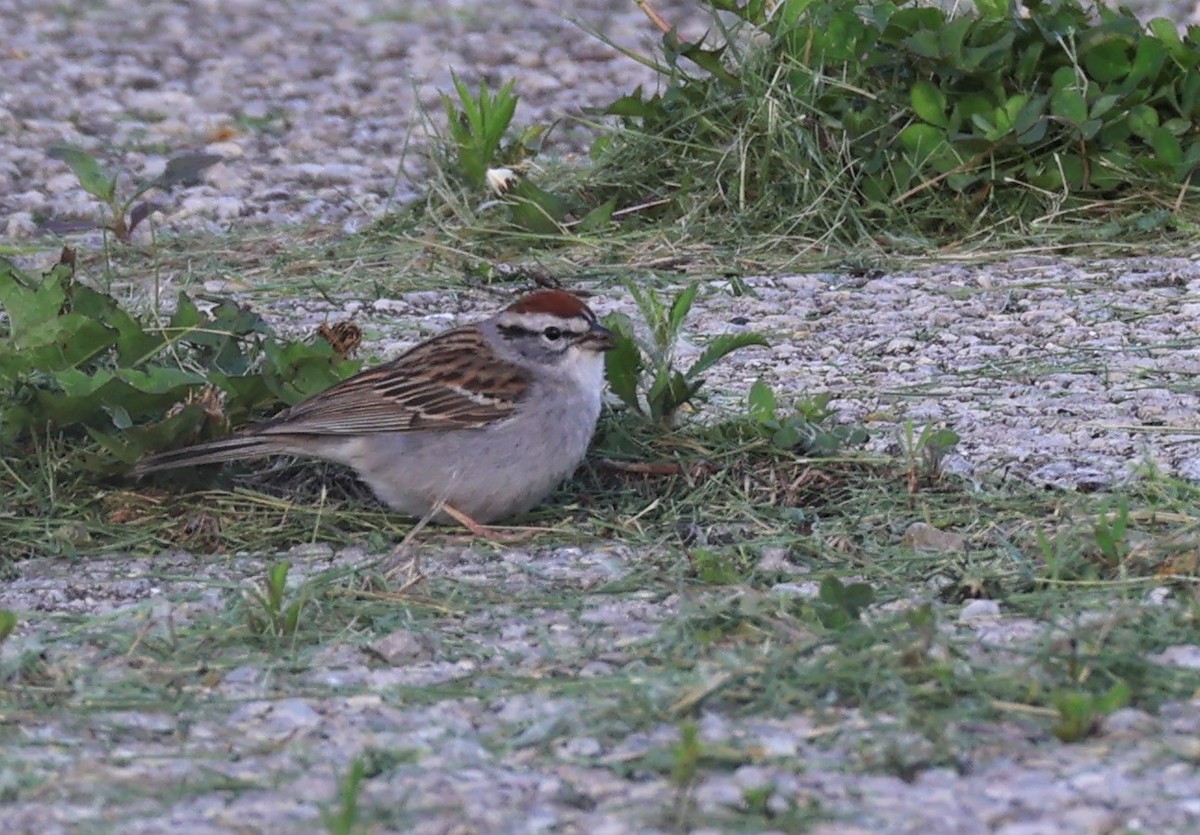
[{"x": 213, "y": 452}]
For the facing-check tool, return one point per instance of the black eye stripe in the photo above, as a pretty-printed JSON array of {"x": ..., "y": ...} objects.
[{"x": 517, "y": 331}]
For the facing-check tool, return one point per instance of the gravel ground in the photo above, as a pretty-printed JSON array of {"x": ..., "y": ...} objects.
[
  {"x": 253, "y": 749},
  {"x": 1068, "y": 373},
  {"x": 310, "y": 104},
  {"x": 1063, "y": 372}
]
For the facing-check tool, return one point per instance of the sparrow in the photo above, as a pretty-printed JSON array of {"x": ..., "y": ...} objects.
[{"x": 476, "y": 424}]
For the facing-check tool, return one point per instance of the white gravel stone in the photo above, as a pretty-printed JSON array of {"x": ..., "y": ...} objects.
[
  {"x": 979, "y": 610},
  {"x": 1186, "y": 656}
]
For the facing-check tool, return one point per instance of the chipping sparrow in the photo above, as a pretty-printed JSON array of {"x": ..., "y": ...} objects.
[{"x": 476, "y": 424}]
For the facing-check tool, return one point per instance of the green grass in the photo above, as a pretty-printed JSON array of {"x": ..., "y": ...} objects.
[
  {"x": 730, "y": 642},
  {"x": 1035, "y": 552},
  {"x": 690, "y": 541}
]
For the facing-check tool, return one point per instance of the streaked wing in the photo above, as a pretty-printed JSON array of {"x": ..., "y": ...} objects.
[{"x": 440, "y": 384}]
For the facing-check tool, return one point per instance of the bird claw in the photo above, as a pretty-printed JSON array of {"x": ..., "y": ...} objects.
[{"x": 483, "y": 531}]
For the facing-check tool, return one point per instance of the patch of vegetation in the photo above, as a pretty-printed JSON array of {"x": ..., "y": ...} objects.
[
  {"x": 642, "y": 373},
  {"x": 125, "y": 212},
  {"x": 477, "y": 156},
  {"x": 808, "y": 428},
  {"x": 1079, "y": 713},
  {"x": 269, "y": 611},
  {"x": 74, "y": 362},
  {"x": 342, "y": 817},
  {"x": 8, "y": 624},
  {"x": 924, "y": 452},
  {"x": 833, "y": 120},
  {"x": 824, "y": 128}
]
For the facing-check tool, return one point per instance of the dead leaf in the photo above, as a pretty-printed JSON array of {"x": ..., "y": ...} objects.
[
  {"x": 344, "y": 337},
  {"x": 921, "y": 536}
]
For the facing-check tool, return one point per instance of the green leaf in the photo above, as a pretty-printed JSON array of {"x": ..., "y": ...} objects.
[
  {"x": 1030, "y": 117},
  {"x": 623, "y": 364},
  {"x": 951, "y": 37},
  {"x": 991, "y": 57},
  {"x": 597, "y": 218},
  {"x": 1148, "y": 61},
  {"x": 1117, "y": 697},
  {"x": 186, "y": 321},
  {"x": 941, "y": 440},
  {"x": 924, "y": 43},
  {"x": 295, "y": 371},
  {"x": 29, "y": 309},
  {"x": 972, "y": 105},
  {"x": 1029, "y": 64},
  {"x": 1143, "y": 121},
  {"x": 94, "y": 179},
  {"x": 276, "y": 584},
  {"x": 134, "y": 344},
  {"x": 139, "y": 213},
  {"x": 1063, "y": 78},
  {"x": 536, "y": 210},
  {"x": 929, "y": 103},
  {"x": 680, "y": 391},
  {"x": 65, "y": 342},
  {"x": 477, "y": 125},
  {"x": 1166, "y": 147},
  {"x": 1104, "y": 105},
  {"x": 246, "y": 393},
  {"x": 1069, "y": 105},
  {"x": 186, "y": 169},
  {"x": 762, "y": 402},
  {"x": 927, "y": 144},
  {"x": 909, "y": 20},
  {"x": 1108, "y": 61},
  {"x": 633, "y": 106},
  {"x": 119, "y": 416},
  {"x": 680, "y": 307},
  {"x": 76, "y": 383},
  {"x": 790, "y": 11},
  {"x": 1168, "y": 35},
  {"x": 842, "y": 604},
  {"x": 709, "y": 60},
  {"x": 1071, "y": 168},
  {"x": 857, "y": 597},
  {"x": 658, "y": 395},
  {"x": 1089, "y": 129},
  {"x": 1178, "y": 127},
  {"x": 787, "y": 437},
  {"x": 720, "y": 347},
  {"x": 8, "y": 624},
  {"x": 159, "y": 379},
  {"x": 653, "y": 313},
  {"x": 993, "y": 9},
  {"x": 922, "y": 140}
]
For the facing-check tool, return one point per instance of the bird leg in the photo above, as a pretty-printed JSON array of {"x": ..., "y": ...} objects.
[
  {"x": 477, "y": 529},
  {"x": 411, "y": 569}
]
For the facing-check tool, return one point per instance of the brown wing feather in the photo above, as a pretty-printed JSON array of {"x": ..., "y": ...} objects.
[{"x": 439, "y": 384}]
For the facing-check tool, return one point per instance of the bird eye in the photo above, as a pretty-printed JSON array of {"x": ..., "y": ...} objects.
[{"x": 552, "y": 333}]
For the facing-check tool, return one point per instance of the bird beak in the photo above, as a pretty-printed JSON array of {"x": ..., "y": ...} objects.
[{"x": 598, "y": 338}]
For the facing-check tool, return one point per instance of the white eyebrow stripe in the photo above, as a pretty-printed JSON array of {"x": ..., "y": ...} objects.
[{"x": 541, "y": 321}]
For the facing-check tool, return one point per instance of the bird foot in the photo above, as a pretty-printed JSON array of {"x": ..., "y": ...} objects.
[{"x": 483, "y": 531}]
